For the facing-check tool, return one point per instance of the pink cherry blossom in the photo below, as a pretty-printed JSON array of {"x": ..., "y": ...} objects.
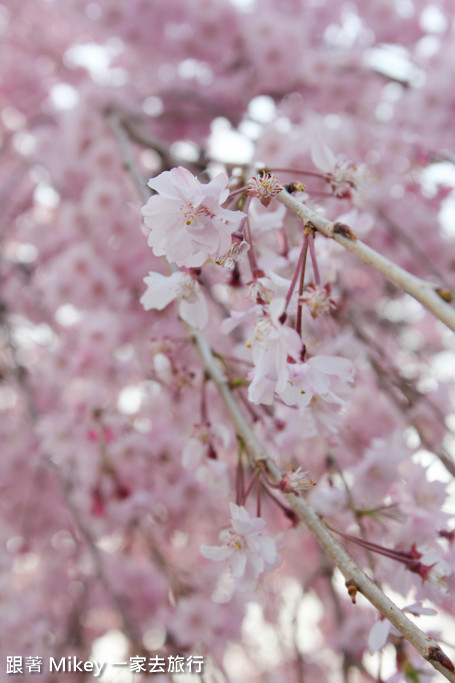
[
  {"x": 272, "y": 344},
  {"x": 305, "y": 380},
  {"x": 265, "y": 186},
  {"x": 186, "y": 220},
  {"x": 295, "y": 481},
  {"x": 162, "y": 289},
  {"x": 123, "y": 439},
  {"x": 318, "y": 300},
  {"x": 247, "y": 546},
  {"x": 342, "y": 175}
]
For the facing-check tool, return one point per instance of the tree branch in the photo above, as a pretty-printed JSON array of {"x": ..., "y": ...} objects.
[
  {"x": 425, "y": 645},
  {"x": 128, "y": 625},
  {"x": 425, "y": 292}
]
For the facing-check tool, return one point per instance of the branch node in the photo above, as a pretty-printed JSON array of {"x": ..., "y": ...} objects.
[
  {"x": 435, "y": 654},
  {"x": 310, "y": 229},
  {"x": 342, "y": 229},
  {"x": 353, "y": 589},
  {"x": 445, "y": 294}
]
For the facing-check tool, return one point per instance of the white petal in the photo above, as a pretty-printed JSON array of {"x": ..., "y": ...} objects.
[
  {"x": 333, "y": 365},
  {"x": 222, "y": 432},
  {"x": 269, "y": 552},
  {"x": 215, "y": 552},
  {"x": 161, "y": 290},
  {"x": 378, "y": 635},
  {"x": 193, "y": 454},
  {"x": 417, "y": 609},
  {"x": 194, "y": 313},
  {"x": 236, "y": 318},
  {"x": 276, "y": 308},
  {"x": 261, "y": 390},
  {"x": 322, "y": 156},
  {"x": 164, "y": 185},
  {"x": 238, "y": 563},
  {"x": 238, "y": 512}
]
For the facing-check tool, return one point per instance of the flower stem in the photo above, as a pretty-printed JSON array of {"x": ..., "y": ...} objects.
[
  {"x": 298, "y": 321},
  {"x": 425, "y": 292},
  {"x": 299, "y": 267},
  {"x": 317, "y": 277},
  {"x": 424, "y": 644}
]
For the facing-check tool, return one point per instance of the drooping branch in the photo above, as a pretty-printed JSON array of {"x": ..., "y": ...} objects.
[
  {"x": 425, "y": 645},
  {"x": 129, "y": 626},
  {"x": 424, "y": 292}
]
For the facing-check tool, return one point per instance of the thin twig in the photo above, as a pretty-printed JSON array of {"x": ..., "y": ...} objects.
[{"x": 128, "y": 162}]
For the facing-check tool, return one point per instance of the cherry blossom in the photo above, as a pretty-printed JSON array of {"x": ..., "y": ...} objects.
[
  {"x": 162, "y": 289},
  {"x": 265, "y": 186},
  {"x": 295, "y": 481},
  {"x": 247, "y": 546},
  {"x": 343, "y": 176},
  {"x": 272, "y": 343},
  {"x": 132, "y": 414},
  {"x": 186, "y": 221},
  {"x": 318, "y": 299},
  {"x": 298, "y": 383}
]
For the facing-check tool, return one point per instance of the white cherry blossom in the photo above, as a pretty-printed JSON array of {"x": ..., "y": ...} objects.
[
  {"x": 186, "y": 220},
  {"x": 273, "y": 344},
  {"x": 342, "y": 175},
  {"x": 313, "y": 378},
  {"x": 247, "y": 546},
  {"x": 162, "y": 289}
]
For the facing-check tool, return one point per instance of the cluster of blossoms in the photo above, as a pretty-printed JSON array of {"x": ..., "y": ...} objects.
[
  {"x": 119, "y": 455},
  {"x": 189, "y": 226}
]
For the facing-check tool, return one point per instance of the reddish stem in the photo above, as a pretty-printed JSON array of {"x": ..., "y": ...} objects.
[
  {"x": 314, "y": 262},
  {"x": 249, "y": 487},
  {"x": 239, "y": 481},
  {"x": 300, "y": 263},
  {"x": 204, "y": 419},
  {"x": 298, "y": 321},
  {"x": 298, "y": 171},
  {"x": 258, "y": 497},
  {"x": 234, "y": 193},
  {"x": 406, "y": 557}
]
